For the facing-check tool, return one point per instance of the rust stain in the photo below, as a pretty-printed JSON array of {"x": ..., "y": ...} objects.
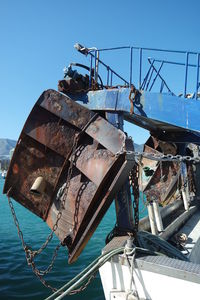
[
  {"x": 15, "y": 169},
  {"x": 49, "y": 221},
  {"x": 57, "y": 106}
]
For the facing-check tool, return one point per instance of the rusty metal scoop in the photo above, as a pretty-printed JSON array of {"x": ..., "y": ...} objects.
[{"x": 68, "y": 164}]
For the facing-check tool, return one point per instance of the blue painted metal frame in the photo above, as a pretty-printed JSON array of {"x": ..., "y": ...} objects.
[
  {"x": 186, "y": 73},
  {"x": 157, "y": 74},
  {"x": 153, "y": 111},
  {"x": 197, "y": 80}
]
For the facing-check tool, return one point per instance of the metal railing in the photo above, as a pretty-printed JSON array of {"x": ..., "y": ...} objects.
[{"x": 148, "y": 73}]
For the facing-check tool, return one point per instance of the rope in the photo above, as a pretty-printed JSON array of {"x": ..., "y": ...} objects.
[
  {"x": 132, "y": 280},
  {"x": 156, "y": 244}
]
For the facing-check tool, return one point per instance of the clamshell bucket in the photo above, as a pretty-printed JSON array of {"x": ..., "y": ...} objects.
[{"x": 68, "y": 164}]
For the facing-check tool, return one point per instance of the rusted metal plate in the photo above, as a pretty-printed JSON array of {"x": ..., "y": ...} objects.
[
  {"x": 107, "y": 135},
  {"x": 145, "y": 162},
  {"x": 45, "y": 149},
  {"x": 63, "y": 107},
  {"x": 93, "y": 217},
  {"x": 66, "y": 109},
  {"x": 77, "y": 201},
  {"x": 159, "y": 179},
  {"x": 94, "y": 163},
  {"x": 49, "y": 130},
  {"x": 29, "y": 161}
]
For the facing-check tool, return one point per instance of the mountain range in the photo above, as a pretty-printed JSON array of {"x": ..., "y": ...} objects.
[
  {"x": 5, "y": 146},
  {"x": 138, "y": 148}
]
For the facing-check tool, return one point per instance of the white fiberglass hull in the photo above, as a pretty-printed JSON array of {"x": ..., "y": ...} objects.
[{"x": 156, "y": 277}]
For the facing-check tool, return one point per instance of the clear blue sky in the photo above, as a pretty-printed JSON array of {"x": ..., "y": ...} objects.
[{"x": 37, "y": 38}]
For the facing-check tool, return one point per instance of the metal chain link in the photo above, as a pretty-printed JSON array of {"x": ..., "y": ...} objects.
[
  {"x": 69, "y": 173},
  {"x": 160, "y": 157},
  {"x": 84, "y": 286},
  {"x": 134, "y": 176},
  {"x": 29, "y": 253},
  {"x": 77, "y": 204}
]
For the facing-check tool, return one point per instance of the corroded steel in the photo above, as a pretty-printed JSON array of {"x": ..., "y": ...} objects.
[
  {"x": 159, "y": 179},
  {"x": 73, "y": 86},
  {"x": 66, "y": 109},
  {"x": 98, "y": 167},
  {"x": 31, "y": 160}
]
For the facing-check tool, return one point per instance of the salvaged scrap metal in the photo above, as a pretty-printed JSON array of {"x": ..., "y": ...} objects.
[
  {"x": 161, "y": 180},
  {"x": 76, "y": 83},
  {"x": 68, "y": 165}
]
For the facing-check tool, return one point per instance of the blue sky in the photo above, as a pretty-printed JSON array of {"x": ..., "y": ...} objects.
[{"x": 37, "y": 39}]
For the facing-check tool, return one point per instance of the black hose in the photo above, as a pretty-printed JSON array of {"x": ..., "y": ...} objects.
[{"x": 88, "y": 69}]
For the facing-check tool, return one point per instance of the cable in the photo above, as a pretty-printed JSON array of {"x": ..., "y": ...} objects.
[
  {"x": 86, "y": 273},
  {"x": 88, "y": 69}
]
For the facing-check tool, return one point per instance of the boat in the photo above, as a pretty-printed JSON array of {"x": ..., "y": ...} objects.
[
  {"x": 73, "y": 159},
  {"x": 3, "y": 174}
]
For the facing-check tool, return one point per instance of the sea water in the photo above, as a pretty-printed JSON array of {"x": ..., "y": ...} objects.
[{"x": 17, "y": 280}]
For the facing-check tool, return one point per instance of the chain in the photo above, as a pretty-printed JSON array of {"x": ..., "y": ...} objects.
[
  {"x": 77, "y": 204},
  {"x": 134, "y": 175},
  {"x": 59, "y": 215},
  {"x": 84, "y": 286},
  {"x": 142, "y": 192},
  {"x": 160, "y": 157},
  {"x": 31, "y": 254},
  {"x": 69, "y": 174}
]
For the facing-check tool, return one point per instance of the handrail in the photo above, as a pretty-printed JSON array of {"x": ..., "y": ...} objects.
[
  {"x": 107, "y": 67},
  {"x": 142, "y": 65},
  {"x": 150, "y": 49}
]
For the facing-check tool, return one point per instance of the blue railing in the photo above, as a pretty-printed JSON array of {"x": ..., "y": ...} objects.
[{"x": 150, "y": 70}]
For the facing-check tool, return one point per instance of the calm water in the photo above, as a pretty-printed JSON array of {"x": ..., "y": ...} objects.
[{"x": 16, "y": 278}]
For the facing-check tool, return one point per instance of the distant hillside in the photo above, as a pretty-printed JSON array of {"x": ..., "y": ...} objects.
[
  {"x": 138, "y": 148},
  {"x": 5, "y": 146}
]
